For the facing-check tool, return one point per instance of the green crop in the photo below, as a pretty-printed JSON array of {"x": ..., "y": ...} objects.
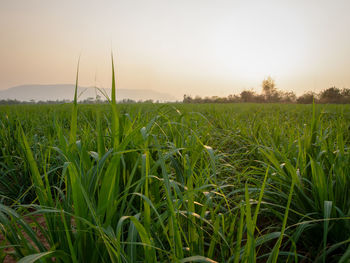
[{"x": 174, "y": 182}]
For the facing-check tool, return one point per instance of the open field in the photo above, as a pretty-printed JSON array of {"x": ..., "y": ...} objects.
[{"x": 175, "y": 183}]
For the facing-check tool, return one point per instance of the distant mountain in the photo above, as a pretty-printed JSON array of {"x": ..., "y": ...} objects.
[{"x": 66, "y": 92}]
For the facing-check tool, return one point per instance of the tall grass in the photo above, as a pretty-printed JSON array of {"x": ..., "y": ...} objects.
[{"x": 178, "y": 183}]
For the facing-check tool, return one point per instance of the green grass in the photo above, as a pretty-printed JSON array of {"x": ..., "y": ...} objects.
[{"x": 175, "y": 182}]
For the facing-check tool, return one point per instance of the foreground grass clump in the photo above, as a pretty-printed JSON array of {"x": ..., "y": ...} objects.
[{"x": 181, "y": 183}]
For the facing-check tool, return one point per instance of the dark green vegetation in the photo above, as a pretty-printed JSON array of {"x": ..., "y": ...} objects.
[
  {"x": 271, "y": 94},
  {"x": 175, "y": 183}
]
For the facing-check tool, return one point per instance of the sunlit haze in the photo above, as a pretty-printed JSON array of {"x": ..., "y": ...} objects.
[{"x": 177, "y": 47}]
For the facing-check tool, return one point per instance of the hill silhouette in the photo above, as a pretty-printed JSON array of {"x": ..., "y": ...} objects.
[{"x": 66, "y": 92}]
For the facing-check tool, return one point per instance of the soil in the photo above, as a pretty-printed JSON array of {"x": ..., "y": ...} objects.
[{"x": 39, "y": 219}]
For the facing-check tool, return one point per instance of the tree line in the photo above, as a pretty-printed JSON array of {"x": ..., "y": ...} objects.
[{"x": 270, "y": 94}]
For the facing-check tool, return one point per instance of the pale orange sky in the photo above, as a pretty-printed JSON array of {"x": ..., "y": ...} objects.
[{"x": 197, "y": 47}]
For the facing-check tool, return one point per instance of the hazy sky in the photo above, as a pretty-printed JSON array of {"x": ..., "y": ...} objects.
[{"x": 197, "y": 47}]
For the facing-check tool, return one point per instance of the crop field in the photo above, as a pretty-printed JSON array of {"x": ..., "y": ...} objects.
[{"x": 175, "y": 183}]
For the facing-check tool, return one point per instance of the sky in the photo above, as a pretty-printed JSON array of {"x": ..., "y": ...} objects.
[{"x": 194, "y": 47}]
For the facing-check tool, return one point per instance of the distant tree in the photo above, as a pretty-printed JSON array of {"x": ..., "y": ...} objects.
[
  {"x": 287, "y": 96},
  {"x": 197, "y": 99},
  {"x": 222, "y": 100},
  {"x": 269, "y": 90},
  {"x": 331, "y": 95},
  {"x": 233, "y": 98},
  {"x": 345, "y": 92},
  {"x": 346, "y": 95},
  {"x": 206, "y": 99},
  {"x": 259, "y": 98},
  {"x": 187, "y": 99},
  {"x": 307, "y": 98},
  {"x": 247, "y": 96}
]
